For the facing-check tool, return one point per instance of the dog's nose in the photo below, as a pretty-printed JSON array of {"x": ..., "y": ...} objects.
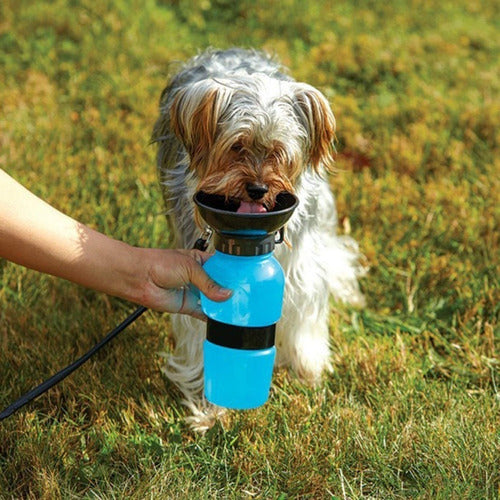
[{"x": 256, "y": 190}]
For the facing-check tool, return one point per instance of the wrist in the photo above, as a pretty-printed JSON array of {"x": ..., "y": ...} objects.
[
  {"x": 110, "y": 266},
  {"x": 133, "y": 280}
]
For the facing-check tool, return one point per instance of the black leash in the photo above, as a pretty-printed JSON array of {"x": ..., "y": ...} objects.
[
  {"x": 201, "y": 244},
  {"x": 61, "y": 375}
]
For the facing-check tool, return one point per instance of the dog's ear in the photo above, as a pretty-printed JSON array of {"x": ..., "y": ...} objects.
[
  {"x": 194, "y": 116},
  {"x": 315, "y": 115}
]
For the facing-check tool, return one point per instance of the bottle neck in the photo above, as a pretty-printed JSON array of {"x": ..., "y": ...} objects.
[{"x": 249, "y": 245}]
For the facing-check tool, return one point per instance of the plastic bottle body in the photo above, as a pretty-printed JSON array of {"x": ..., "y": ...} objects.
[
  {"x": 257, "y": 284},
  {"x": 237, "y": 378},
  {"x": 240, "y": 378}
]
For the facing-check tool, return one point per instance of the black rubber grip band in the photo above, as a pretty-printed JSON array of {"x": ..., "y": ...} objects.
[{"x": 240, "y": 337}]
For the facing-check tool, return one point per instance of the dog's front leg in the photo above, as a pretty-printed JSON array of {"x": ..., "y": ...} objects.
[
  {"x": 302, "y": 337},
  {"x": 184, "y": 367}
]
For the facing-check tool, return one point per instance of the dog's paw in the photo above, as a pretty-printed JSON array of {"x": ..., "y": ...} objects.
[
  {"x": 203, "y": 415},
  {"x": 311, "y": 359},
  {"x": 311, "y": 375}
]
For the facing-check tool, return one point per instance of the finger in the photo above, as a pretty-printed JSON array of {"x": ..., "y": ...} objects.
[
  {"x": 191, "y": 305},
  {"x": 200, "y": 279},
  {"x": 198, "y": 255},
  {"x": 181, "y": 301}
]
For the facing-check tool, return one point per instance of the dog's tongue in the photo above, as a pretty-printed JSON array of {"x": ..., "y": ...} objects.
[{"x": 251, "y": 208}]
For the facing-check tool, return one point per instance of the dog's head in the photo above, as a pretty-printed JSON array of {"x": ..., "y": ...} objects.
[{"x": 250, "y": 138}]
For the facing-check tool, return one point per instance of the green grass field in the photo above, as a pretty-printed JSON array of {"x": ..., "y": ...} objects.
[{"x": 412, "y": 409}]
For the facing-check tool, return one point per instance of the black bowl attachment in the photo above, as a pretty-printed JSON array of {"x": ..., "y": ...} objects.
[{"x": 240, "y": 233}]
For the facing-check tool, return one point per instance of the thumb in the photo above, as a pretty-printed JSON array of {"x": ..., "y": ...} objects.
[{"x": 201, "y": 280}]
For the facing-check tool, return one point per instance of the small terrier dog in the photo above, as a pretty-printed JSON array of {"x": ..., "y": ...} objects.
[{"x": 233, "y": 123}]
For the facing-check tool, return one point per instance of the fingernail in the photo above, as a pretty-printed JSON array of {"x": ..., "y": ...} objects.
[{"x": 225, "y": 292}]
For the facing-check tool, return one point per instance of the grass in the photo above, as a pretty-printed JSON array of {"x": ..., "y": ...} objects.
[{"x": 411, "y": 410}]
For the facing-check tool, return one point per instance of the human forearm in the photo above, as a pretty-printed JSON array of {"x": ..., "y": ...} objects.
[{"x": 36, "y": 235}]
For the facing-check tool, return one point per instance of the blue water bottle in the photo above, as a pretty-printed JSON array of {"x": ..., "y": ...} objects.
[{"x": 239, "y": 350}]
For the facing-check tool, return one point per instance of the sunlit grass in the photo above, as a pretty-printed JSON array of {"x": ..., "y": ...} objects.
[{"x": 411, "y": 410}]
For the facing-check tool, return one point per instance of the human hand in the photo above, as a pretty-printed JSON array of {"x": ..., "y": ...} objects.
[{"x": 169, "y": 274}]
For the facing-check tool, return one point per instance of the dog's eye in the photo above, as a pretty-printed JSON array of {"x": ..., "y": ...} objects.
[{"x": 237, "y": 147}]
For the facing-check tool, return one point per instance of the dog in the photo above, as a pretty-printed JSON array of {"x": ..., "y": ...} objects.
[{"x": 233, "y": 123}]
